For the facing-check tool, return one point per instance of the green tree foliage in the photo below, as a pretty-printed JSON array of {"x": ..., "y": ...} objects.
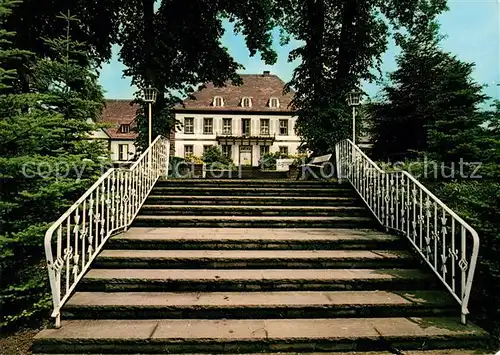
[
  {"x": 343, "y": 43},
  {"x": 175, "y": 48},
  {"x": 179, "y": 47},
  {"x": 430, "y": 105},
  {"x": 46, "y": 162}
]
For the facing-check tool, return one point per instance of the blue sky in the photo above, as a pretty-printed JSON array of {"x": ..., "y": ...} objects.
[{"x": 472, "y": 28}]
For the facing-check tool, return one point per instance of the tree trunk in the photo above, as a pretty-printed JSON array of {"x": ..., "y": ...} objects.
[
  {"x": 314, "y": 45},
  {"x": 346, "y": 55}
]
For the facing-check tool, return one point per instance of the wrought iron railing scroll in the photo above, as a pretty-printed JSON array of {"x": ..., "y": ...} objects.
[
  {"x": 108, "y": 207},
  {"x": 402, "y": 204}
]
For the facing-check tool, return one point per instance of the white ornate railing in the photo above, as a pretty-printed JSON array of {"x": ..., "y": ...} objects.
[
  {"x": 109, "y": 206},
  {"x": 402, "y": 204}
]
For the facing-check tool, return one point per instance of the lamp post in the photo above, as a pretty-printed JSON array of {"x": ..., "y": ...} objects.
[
  {"x": 354, "y": 100},
  {"x": 150, "y": 95}
]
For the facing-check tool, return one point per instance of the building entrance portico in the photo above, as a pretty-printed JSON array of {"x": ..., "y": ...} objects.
[{"x": 246, "y": 155}]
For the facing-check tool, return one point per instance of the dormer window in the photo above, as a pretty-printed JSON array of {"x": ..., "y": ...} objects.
[
  {"x": 218, "y": 101},
  {"x": 246, "y": 102},
  {"x": 274, "y": 102},
  {"x": 125, "y": 128}
]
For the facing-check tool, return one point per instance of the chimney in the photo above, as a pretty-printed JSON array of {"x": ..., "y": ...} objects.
[{"x": 267, "y": 73}]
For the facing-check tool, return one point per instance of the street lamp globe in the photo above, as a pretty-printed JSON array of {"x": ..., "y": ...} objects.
[
  {"x": 149, "y": 95},
  {"x": 354, "y": 97}
]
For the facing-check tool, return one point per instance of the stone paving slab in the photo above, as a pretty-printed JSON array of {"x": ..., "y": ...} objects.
[
  {"x": 257, "y": 181},
  {"x": 306, "y": 189},
  {"x": 281, "y": 299},
  {"x": 331, "y": 275},
  {"x": 234, "y": 198},
  {"x": 254, "y": 218},
  {"x": 272, "y": 330},
  {"x": 255, "y": 254},
  {"x": 253, "y": 207},
  {"x": 221, "y": 234},
  {"x": 428, "y": 352}
]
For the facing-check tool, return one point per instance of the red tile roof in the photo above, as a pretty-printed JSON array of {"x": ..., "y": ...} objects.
[
  {"x": 260, "y": 87},
  {"x": 116, "y": 113}
]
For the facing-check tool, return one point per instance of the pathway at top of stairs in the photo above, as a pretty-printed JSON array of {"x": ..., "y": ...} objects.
[{"x": 232, "y": 266}]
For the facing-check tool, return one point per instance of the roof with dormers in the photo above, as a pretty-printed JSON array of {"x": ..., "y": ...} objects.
[
  {"x": 259, "y": 87},
  {"x": 117, "y": 113}
]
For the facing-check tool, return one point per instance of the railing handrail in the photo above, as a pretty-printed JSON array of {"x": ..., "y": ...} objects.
[
  {"x": 356, "y": 151},
  {"x": 434, "y": 197},
  {"x": 144, "y": 154},
  {"x": 74, "y": 206},
  {"x": 108, "y": 206}
]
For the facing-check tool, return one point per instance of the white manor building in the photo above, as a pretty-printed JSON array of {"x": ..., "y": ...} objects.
[{"x": 245, "y": 121}]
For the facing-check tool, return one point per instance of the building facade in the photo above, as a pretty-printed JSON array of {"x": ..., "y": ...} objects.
[
  {"x": 120, "y": 130},
  {"x": 244, "y": 122}
]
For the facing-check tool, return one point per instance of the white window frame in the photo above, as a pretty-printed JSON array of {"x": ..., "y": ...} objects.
[
  {"x": 265, "y": 129},
  {"x": 229, "y": 153},
  {"x": 208, "y": 122},
  {"x": 185, "y": 150},
  {"x": 285, "y": 125},
  {"x": 246, "y": 102},
  {"x": 227, "y": 128},
  {"x": 123, "y": 152},
  {"x": 273, "y": 100},
  {"x": 125, "y": 128},
  {"x": 249, "y": 133},
  {"x": 284, "y": 147},
  {"x": 218, "y": 101},
  {"x": 262, "y": 148},
  {"x": 186, "y": 131}
]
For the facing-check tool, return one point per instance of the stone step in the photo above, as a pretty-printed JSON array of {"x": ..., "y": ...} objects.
[
  {"x": 256, "y": 335},
  {"x": 334, "y": 191},
  {"x": 255, "y": 238},
  {"x": 265, "y": 259},
  {"x": 253, "y": 222},
  {"x": 108, "y": 280},
  {"x": 176, "y": 199},
  {"x": 263, "y": 210},
  {"x": 407, "y": 352},
  {"x": 243, "y": 305},
  {"x": 196, "y": 183}
]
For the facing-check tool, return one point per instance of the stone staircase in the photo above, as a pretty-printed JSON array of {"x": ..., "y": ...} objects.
[{"x": 231, "y": 266}]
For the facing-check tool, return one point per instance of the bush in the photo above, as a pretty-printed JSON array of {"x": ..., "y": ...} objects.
[
  {"x": 193, "y": 159},
  {"x": 268, "y": 160},
  {"x": 299, "y": 159},
  {"x": 214, "y": 159},
  {"x": 477, "y": 202}
]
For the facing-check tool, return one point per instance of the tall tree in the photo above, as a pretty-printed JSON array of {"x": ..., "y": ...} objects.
[
  {"x": 431, "y": 103},
  {"x": 343, "y": 42},
  {"x": 179, "y": 47}
]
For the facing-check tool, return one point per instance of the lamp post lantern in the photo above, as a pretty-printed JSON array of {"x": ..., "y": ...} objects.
[
  {"x": 150, "y": 95},
  {"x": 354, "y": 100}
]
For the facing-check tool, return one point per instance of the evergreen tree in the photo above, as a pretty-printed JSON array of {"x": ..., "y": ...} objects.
[
  {"x": 46, "y": 162},
  {"x": 431, "y": 104},
  {"x": 343, "y": 43}
]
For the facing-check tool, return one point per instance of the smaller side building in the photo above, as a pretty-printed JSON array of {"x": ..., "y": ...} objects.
[{"x": 120, "y": 131}]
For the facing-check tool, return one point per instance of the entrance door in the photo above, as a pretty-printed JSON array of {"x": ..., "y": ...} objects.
[{"x": 246, "y": 155}]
